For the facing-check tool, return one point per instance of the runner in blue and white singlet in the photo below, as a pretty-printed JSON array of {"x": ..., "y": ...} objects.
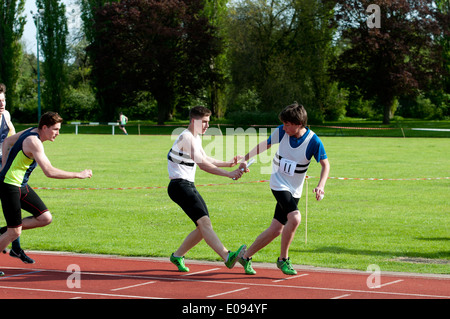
[
  {"x": 292, "y": 159},
  {"x": 298, "y": 144}
]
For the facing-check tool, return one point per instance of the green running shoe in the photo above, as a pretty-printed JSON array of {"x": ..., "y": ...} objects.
[
  {"x": 179, "y": 262},
  {"x": 2, "y": 273},
  {"x": 247, "y": 264},
  {"x": 233, "y": 257},
  {"x": 286, "y": 266}
]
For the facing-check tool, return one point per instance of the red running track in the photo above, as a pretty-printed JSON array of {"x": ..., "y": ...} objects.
[{"x": 73, "y": 276}]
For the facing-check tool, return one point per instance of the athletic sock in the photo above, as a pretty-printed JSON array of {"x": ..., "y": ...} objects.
[{"x": 15, "y": 245}]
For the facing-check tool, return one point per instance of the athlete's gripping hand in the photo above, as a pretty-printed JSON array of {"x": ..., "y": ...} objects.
[
  {"x": 243, "y": 167},
  {"x": 236, "y": 174},
  {"x": 87, "y": 173}
]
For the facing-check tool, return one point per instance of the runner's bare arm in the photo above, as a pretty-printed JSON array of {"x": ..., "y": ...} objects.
[
  {"x": 258, "y": 149},
  {"x": 33, "y": 148},
  {"x": 320, "y": 189},
  {"x": 198, "y": 155},
  {"x": 7, "y": 116},
  {"x": 230, "y": 163}
]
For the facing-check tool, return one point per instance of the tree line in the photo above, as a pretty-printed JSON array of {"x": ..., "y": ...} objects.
[{"x": 244, "y": 59}]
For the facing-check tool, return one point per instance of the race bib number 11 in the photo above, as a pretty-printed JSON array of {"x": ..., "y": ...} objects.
[{"x": 288, "y": 166}]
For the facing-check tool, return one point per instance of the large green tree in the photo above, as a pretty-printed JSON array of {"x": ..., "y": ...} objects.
[
  {"x": 444, "y": 8},
  {"x": 161, "y": 47},
  {"x": 88, "y": 10},
  {"x": 216, "y": 11},
  {"x": 281, "y": 50},
  {"x": 53, "y": 35},
  {"x": 399, "y": 56},
  {"x": 12, "y": 24}
]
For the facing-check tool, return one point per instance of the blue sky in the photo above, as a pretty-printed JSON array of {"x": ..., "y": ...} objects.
[{"x": 29, "y": 34}]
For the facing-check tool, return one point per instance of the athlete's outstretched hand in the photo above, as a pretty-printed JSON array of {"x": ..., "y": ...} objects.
[
  {"x": 236, "y": 160},
  {"x": 87, "y": 173}
]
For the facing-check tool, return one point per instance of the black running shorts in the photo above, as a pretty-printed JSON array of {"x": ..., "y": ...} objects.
[
  {"x": 14, "y": 199},
  {"x": 286, "y": 203},
  {"x": 184, "y": 193}
]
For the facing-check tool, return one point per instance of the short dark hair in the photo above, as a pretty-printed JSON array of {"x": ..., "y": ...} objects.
[
  {"x": 49, "y": 119},
  {"x": 2, "y": 88},
  {"x": 198, "y": 112},
  {"x": 295, "y": 114}
]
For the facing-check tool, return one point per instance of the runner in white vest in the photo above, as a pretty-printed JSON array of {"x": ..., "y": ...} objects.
[
  {"x": 298, "y": 144},
  {"x": 182, "y": 160}
]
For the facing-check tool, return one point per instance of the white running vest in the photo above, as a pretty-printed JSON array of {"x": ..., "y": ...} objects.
[
  {"x": 180, "y": 164},
  {"x": 289, "y": 166}
]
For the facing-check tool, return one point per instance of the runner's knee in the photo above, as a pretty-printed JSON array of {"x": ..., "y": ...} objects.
[
  {"x": 204, "y": 222},
  {"x": 295, "y": 218},
  {"x": 275, "y": 228},
  {"x": 45, "y": 219},
  {"x": 13, "y": 233}
]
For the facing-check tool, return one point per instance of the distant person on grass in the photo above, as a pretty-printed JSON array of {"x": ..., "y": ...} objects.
[
  {"x": 25, "y": 151},
  {"x": 298, "y": 144},
  {"x": 7, "y": 129},
  {"x": 123, "y": 120},
  {"x": 183, "y": 158}
]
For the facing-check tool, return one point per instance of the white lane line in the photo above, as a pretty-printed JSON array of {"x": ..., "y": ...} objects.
[
  {"x": 79, "y": 293},
  {"x": 221, "y": 282},
  {"x": 25, "y": 273},
  {"x": 200, "y": 272},
  {"x": 288, "y": 278},
  {"x": 341, "y": 296},
  {"x": 228, "y": 292},
  {"x": 127, "y": 287},
  {"x": 389, "y": 283}
]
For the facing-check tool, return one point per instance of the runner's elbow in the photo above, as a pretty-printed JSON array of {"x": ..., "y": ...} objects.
[{"x": 50, "y": 173}]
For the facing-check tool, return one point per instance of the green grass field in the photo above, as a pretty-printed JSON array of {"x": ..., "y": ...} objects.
[{"x": 359, "y": 222}]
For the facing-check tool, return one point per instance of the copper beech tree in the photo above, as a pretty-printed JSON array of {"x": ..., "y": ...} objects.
[
  {"x": 161, "y": 47},
  {"x": 391, "y": 50}
]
